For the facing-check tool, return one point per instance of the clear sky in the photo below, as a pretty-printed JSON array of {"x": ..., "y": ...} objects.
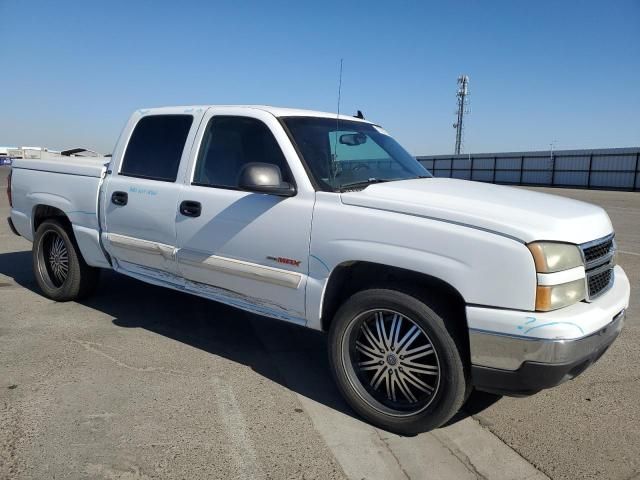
[{"x": 540, "y": 71}]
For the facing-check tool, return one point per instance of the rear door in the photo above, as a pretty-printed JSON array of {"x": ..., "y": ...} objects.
[
  {"x": 140, "y": 195},
  {"x": 246, "y": 249}
]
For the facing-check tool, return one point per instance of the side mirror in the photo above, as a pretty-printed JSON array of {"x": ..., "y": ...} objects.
[{"x": 264, "y": 178}]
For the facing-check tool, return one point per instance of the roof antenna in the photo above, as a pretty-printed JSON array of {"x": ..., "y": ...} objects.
[
  {"x": 334, "y": 159},
  {"x": 359, "y": 115}
]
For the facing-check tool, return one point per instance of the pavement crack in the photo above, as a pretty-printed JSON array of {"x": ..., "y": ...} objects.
[
  {"x": 384, "y": 442},
  {"x": 463, "y": 457},
  {"x": 93, "y": 348},
  {"x": 482, "y": 424}
]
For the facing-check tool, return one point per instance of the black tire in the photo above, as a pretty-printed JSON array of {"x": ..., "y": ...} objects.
[
  {"x": 62, "y": 284},
  {"x": 347, "y": 339}
]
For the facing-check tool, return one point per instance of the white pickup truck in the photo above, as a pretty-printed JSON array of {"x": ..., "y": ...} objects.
[{"x": 427, "y": 287}]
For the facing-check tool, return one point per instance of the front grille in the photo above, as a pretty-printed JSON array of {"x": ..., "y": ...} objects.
[
  {"x": 599, "y": 250},
  {"x": 599, "y": 262},
  {"x": 598, "y": 282}
]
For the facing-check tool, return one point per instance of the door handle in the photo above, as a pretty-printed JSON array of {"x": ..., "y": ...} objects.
[
  {"x": 119, "y": 198},
  {"x": 190, "y": 208}
]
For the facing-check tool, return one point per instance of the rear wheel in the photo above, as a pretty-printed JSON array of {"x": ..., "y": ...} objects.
[
  {"x": 395, "y": 361},
  {"x": 61, "y": 272}
]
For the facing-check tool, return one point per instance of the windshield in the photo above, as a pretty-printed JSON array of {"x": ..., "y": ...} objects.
[{"x": 347, "y": 153}]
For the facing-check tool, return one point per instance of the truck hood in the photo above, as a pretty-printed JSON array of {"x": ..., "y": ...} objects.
[{"x": 514, "y": 212}]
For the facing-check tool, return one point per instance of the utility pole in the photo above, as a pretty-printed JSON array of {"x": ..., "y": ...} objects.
[{"x": 463, "y": 84}]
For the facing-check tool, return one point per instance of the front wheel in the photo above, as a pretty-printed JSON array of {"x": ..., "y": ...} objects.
[
  {"x": 61, "y": 272},
  {"x": 395, "y": 361}
]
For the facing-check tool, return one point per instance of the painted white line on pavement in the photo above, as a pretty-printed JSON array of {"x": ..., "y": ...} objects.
[{"x": 242, "y": 451}]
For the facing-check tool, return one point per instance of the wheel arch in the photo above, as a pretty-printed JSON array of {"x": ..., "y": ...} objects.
[
  {"x": 42, "y": 212},
  {"x": 86, "y": 238},
  {"x": 350, "y": 277}
]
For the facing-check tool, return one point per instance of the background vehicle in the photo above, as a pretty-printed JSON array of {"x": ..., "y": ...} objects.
[{"x": 428, "y": 287}]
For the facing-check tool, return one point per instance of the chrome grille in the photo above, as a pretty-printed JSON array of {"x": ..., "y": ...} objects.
[
  {"x": 599, "y": 281},
  {"x": 599, "y": 262},
  {"x": 595, "y": 252}
]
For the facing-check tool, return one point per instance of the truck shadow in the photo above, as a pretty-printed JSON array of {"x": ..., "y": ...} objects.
[
  {"x": 290, "y": 355},
  {"x": 293, "y": 356},
  {"x": 17, "y": 265}
]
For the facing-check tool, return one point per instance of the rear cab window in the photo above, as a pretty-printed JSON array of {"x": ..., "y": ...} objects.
[{"x": 155, "y": 147}]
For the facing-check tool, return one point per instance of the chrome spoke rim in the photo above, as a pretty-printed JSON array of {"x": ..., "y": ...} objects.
[
  {"x": 56, "y": 259},
  {"x": 394, "y": 363}
]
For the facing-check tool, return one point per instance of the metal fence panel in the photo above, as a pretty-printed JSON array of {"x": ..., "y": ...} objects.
[
  {"x": 611, "y": 180},
  {"x": 537, "y": 177},
  {"x": 571, "y": 178},
  {"x": 614, "y": 163},
  {"x": 507, "y": 176},
  {"x": 482, "y": 175},
  {"x": 572, "y": 163},
  {"x": 508, "y": 163},
  {"x": 612, "y": 168}
]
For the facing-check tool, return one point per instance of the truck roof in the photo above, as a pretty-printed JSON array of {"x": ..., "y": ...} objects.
[{"x": 275, "y": 111}]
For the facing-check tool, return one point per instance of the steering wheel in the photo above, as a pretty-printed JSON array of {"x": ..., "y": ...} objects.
[{"x": 360, "y": 166}]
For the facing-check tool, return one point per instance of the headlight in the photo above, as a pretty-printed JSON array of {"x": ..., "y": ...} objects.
[
  {"x": 551, "y": 257},
  {"x": 552, "y": 297}
]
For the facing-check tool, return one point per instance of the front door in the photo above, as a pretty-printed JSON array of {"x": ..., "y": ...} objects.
[{"x": 245, "y": 249}]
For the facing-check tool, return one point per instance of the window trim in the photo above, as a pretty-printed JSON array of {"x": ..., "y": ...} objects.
[
  {"x": 148, "y": 177},
  {"x": 222, "y": 187},
  {"x": 180, "y": 161},
  {"x": 228, "y": 187},
  {"x": 314, "y": 183}
]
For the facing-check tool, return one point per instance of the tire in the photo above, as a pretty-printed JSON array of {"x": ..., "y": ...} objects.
[
  {"x": 428, "y": 376},
  {"x": 61, "y": 272}
]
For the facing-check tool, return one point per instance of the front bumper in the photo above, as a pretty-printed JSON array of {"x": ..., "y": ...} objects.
[
  {"x": 536, "y": 350},
  {"x": 532, "y": 376}
]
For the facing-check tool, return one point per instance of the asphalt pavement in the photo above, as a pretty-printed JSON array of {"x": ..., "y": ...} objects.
[
  {"x": 588, "y": 427},
  {"x": 144, "y": 382}
]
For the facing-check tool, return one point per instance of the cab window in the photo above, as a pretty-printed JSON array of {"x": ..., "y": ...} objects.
[
  {"x": 228, "y": 144},
  {"x": 156, "y": 146}
]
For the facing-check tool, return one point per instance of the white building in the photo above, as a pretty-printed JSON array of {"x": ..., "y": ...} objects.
[{"x": 43, "y": 153}]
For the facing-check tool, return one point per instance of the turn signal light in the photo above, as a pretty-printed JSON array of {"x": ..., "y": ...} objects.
[{"x": 552, "y": 297}]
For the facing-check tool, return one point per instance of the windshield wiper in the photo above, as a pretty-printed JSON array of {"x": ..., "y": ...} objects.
[{"x": 362, "y": 183}]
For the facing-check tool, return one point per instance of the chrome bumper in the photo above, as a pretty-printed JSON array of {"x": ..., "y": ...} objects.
[
  {"x": 548, "y": 362},
  {"x": 510, "y": 352}
]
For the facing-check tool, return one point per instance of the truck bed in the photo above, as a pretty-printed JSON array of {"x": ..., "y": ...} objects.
[
  {"x": 85, "y": 166},
  {"x": 68, "y": 184}
]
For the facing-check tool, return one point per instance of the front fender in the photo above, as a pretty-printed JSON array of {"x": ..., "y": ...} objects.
[{"x": 484, "y": 267}]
